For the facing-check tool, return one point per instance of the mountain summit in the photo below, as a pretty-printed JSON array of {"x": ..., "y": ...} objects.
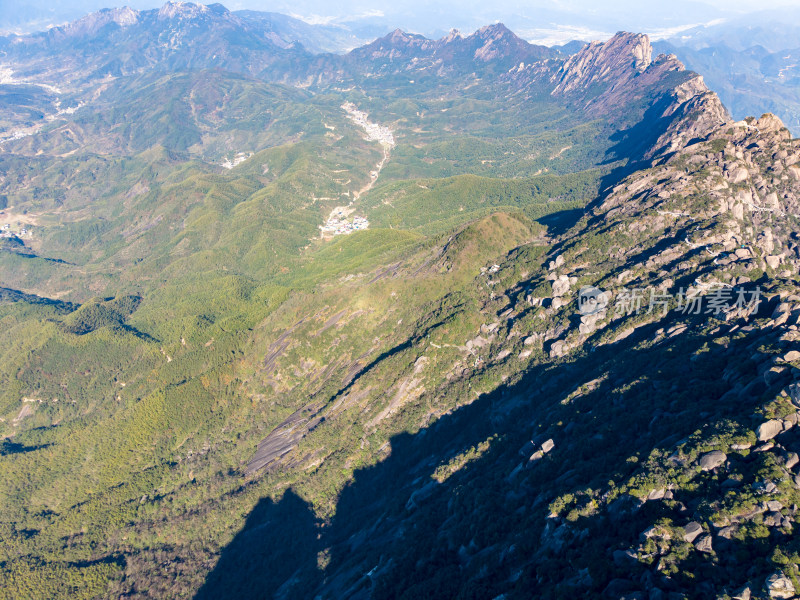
[{"x": 493, "y": 44}]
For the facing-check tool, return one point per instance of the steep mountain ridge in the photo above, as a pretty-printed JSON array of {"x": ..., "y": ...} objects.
[
  {"x": 712, "y": 215},
  {"x": 747, "y": 79},
  {"x": 688, "y": 221},
  {"x": 587, "y": 472},
  {"x": 605, "y": 62},
  {"x": 656, "y": 104},
  {"x": 91, "y": 24},
  {"x": 168, "y": 37},
  {"x": 179, "y": 35},
  {"x": 81, "y": 60},
  {"x": 694, "y": 109},
  {"x": 596, "y": 81}
]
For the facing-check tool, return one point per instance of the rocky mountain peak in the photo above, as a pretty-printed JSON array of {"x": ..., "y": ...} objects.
[
  {"x": 394, "y": 45},
  {"x": 493, "y": 47},
  {"x": 494, "y": 31},
  {"x": 619, "y": 59},
  {"x": 609, "y": 76},
  {"x": 641, "y": 49},
  {"x": 398, "y": 36},
  {"x": 182, "y": 10},
  {"x": 454, "y": 34},
  {"x": 695, "y": 112},
  {"x": 124, "y": 17},
  {"x": 399, "y": 39},
  {"x": 771, "y": 123},
  {"x": 498, "y": 43},
  {"x": 741, "y": 180}
]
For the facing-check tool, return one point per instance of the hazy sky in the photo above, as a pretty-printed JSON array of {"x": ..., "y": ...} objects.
[
  {"x": 751, "y": 5},
  {"x": 546, "y": 21},
  {"x": 354, "y": 6}
]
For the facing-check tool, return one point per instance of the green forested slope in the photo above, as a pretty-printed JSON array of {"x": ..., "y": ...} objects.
[{"x": 202, "y": 397}]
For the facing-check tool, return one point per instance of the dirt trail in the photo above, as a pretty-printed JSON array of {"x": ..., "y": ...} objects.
[
  {"x": 375, "y": 133},
  {"x": 336, "y": 222}
]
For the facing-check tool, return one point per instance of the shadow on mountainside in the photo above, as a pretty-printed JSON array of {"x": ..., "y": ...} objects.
[
  {"x": 483, "y": 529},
  {"x": 629, "y": 146},
  {"x": 278, "y": 543},
  {"x": 8, "y": 446},
  {"x": 632, "y": 143}
]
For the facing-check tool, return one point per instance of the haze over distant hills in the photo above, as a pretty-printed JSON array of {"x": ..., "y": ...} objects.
[
  {"x": 749, "y": 59},
  {"x": 434, "y": 20},
  {"x": 752, "y": 62}
]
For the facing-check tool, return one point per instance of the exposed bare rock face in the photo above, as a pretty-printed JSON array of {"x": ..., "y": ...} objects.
[
  {"x": 714, "y": 206},
  {"x": 620, "y": 74},
  {"x": 616, "y": 61},
  {"x": 123, "y": 17},
  {"x": 780, "y": 586},
  {"x": 494, "y": 45},
  {"x": 695, "y": 112},
  {"x": 744, "y": 191},
  {"x": 656, "y": 103},
  {"x": 397, "y": 44},
  {"x": 497, "y": 41}
]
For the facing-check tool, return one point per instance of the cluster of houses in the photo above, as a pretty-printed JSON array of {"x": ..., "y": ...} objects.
[
  {"x": 6, "y": 232},
  {"x": 237, "y": 160},
  {"x": 374, "y": 131},
  {"x": 338, "y": 225},
  {"x": 338, "y": 222}
]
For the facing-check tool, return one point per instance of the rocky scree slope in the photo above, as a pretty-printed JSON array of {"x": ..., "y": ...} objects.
[
  {"x": 707, "y": 505},
  {"x": 661, "y": 459}
]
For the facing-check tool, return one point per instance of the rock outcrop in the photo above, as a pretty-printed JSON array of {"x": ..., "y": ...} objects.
[{"x": 615, "y": 62}]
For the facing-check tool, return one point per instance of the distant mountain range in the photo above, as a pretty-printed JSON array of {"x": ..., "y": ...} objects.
[
  {"x": 47, "y": 73},
  {"x": 751, "y": 61},
  {"x": 536, "y": 18},
  {"x": 280, "y": 28}
]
